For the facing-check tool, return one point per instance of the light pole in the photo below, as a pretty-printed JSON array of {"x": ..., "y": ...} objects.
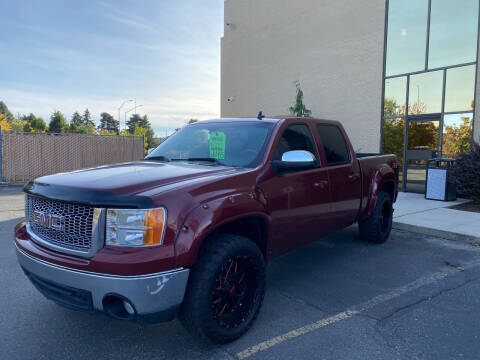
[
  {"x": 126, "y": 101},
  {"x": 126, "y": 112}
]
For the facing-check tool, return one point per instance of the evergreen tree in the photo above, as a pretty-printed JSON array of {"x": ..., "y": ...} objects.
[
  {"x": 4, "y": 110},
  {"x": 57, "y": 123},
  {"x": 37, "y": 124},
  {"x": 135, "y": 120},
  {"x": 76, "y": 119},
  {"x": 87, "y": 119},
  {"x": 108, "y": 123}
]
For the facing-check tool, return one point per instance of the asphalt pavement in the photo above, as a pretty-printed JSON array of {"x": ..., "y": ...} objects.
[{"x": 415, "y": 297}]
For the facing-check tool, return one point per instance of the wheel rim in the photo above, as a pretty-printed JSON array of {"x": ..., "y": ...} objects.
[
  {"x": 235, "y": 291},
  {"x": 385, "y": 217}
]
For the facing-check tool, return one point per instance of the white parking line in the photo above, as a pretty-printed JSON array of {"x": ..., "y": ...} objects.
[{"x": 423, "y": 281}]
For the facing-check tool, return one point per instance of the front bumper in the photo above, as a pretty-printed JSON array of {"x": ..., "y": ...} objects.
[{"x": 154, "y": 297}]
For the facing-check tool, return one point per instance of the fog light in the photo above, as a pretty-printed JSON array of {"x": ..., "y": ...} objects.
[{"x": 128, "y": 307}]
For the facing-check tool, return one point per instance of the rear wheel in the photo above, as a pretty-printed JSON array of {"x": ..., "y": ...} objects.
[
  {"x": 225, "y": 290},
  {"x": 378, "y": 226}
]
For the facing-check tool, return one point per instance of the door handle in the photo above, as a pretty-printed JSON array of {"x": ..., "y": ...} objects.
[
  {"x": 320, "y": 184},
  {"x": 352, "y": 177}
]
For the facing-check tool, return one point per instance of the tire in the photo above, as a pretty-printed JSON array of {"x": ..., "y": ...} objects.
[
  {"x": 225, "y": 290},
  {"x": 378, "y": 226}
]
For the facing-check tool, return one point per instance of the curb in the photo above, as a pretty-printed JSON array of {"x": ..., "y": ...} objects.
[
  {"x": 448, "y": 235},
  {"x": 12, "y": 184}
]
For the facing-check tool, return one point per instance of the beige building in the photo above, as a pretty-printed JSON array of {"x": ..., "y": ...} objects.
[{"x": 399, "y": 74}]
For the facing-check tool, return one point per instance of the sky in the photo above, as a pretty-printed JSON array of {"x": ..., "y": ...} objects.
[{"x": 71, "y": 55}]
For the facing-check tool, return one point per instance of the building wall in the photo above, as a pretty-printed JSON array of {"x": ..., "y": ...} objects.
[{"x": 334, "y": 48}]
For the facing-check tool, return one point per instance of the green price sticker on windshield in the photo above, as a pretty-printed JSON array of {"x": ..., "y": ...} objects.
[{"x": 216, "y": 145}]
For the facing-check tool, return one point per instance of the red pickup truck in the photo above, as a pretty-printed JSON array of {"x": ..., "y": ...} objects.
[{"x": 188, "y": 230}]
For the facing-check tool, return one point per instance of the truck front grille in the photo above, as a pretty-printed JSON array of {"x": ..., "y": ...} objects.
[{"x": 60, "y": 224}]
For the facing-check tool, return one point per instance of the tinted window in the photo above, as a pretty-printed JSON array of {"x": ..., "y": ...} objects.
[
  {"x": 395, "y": 96},
  {"x": 425, "y": 94},
  {"x": 406, "y": 36},
  {"x": 334, "y": 144},
  {"x": 460, "y": 88},
  {"x": 453, "y": 32},
  {"x": 295, "y": 137}
]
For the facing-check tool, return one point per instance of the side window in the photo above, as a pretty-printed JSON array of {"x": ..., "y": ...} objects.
[
  {"x": 334, "y": 144},
  {"x": 295, "y": 137}
]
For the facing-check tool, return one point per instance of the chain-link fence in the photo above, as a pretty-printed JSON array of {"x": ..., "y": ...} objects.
[{"x": 26, "y": 156}]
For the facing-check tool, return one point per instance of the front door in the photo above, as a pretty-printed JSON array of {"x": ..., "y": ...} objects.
[{"x": 422, "y": 144}]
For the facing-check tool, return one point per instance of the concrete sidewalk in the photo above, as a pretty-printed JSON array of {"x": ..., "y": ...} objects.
[{"x": 414, "y": 213}]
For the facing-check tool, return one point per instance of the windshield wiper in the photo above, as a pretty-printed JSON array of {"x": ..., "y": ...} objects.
[
  {"x": 160, "y": 158},
  {"x": 206, "y": 159}
]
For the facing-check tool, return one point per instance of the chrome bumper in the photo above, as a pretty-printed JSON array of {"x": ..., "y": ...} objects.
[{"x": 149, "y": 294}]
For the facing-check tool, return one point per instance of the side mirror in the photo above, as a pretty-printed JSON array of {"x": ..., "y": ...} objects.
[{"x": 294, "y": 160}]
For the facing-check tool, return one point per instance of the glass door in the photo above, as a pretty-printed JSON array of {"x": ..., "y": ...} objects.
[{"x": 422, "y": 144}]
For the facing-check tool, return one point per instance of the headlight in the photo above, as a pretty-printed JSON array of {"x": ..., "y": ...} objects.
[{"x": 129, "y": 227}]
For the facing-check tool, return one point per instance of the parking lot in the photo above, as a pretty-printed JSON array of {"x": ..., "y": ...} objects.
[{"x": 415, "y": 297}]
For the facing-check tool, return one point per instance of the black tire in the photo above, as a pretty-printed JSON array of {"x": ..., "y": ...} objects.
[
  {"x": 378, "y": 226},
  {"x": 223, "y": 310}
]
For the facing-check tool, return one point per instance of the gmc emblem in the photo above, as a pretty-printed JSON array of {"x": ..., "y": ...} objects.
[{"x": 53, "y": 222}]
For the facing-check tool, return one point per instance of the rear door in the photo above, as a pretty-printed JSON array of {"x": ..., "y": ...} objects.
[{"x": 343, "y": 172}]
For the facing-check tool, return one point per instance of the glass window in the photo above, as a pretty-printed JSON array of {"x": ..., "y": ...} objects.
[
  {"x": 334, "y": 144},
  {"x": 406, "y": 36},
  {"x": 460, "y": 89},
  {"x": 453, "y": 32},
  {"x": 295, "y": 137},
  {"x": 425, "y": 94},
  {"x": 395, "y": 96},
  {"x": 239, "y": 144},
  {"x": 423, "y": 135},
  {"x": 457, "y": 134},
  {"x": 393, "y": 139}
]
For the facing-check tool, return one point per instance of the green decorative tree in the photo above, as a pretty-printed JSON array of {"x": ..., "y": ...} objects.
[
  {"x": 299, "y": 109},
  {"x": 57, "y": 123}
]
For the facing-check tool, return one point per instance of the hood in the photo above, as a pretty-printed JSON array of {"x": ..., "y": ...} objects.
[{"x": 132, "y": 178}]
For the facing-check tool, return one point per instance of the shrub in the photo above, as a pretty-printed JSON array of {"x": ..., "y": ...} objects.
[{"x": 468, "y": 174}]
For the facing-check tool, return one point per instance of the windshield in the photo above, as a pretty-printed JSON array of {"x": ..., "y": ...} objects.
[{"x": 239, "y": 144}]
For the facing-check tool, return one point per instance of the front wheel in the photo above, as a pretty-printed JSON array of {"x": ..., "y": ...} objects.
[
  {"x": 225, "y": 290},
  {"x": 378, "y": 226}
]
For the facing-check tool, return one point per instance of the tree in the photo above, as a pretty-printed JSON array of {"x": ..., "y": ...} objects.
[
  {"x": 4, "y": 124},
  {"x": 4, "y": 110},
  {"x": 37, "y": 125},
  {"x": 192, "y": 121},
  {"x": 133, "y": 122},
  {"x": 17, "y": 124},
  {"x": 108, "y": 123},
  {"x": 29, "y": 117},
  {"x": 299, "y": 109},
  {"x": 26, "y": 127},
  {"x": 87, "y": 119},
  {"x": 57, "y": 123},
  {"x": 457, "y": 138},
  {"x": 76, "y": 119}
]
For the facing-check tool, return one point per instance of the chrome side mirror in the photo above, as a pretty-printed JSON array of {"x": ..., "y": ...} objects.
[
  {"x": 295, "y": 160},
  {"x": 298, "y": 156}
]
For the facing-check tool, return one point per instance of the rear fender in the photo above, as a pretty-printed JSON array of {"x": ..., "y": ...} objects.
[
  {"x": 384, "y": 177},
  {"x": 209, "y": 216}
]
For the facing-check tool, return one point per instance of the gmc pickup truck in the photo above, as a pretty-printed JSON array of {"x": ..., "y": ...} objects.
[{"x": 188, "y": 231}]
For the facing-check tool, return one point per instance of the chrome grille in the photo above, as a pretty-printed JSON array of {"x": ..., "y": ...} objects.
[{"x": 77, "y": 230}]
